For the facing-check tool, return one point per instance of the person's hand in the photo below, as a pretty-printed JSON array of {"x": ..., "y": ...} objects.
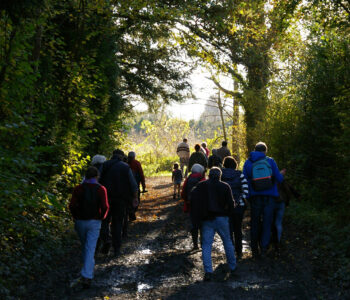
[{"x": 283, "y": 172}]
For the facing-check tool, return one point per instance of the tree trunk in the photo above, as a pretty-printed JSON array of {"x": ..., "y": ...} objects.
[{"x": 221, "y": 110}]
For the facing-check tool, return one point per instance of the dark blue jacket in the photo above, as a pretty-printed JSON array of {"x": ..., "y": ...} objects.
[
  {"x": 247, "y": 171},
  {"x": 118, "y": 179}
]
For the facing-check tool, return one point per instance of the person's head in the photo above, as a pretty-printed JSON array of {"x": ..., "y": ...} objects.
[
  {"x": 131, "y": 156},
  {"x": 197, "y": 168},
  {"x": 204, "y": 145},
  {"x": 224, "y": 144},
  {"x": 261, "y": 147},
  {"x": 197, "y": 147},
  {"x": 184, "y": 140},
  {"x": 91, "y": 172},
  {"x": 98, "y": 159},
  {"x": 230, "y": 162},
  {"x": 119, "y": 153},
  {"x": 214, "y": 151},
  {"x": 215, "y": 173},
  {"x": 176, "y": 166}
]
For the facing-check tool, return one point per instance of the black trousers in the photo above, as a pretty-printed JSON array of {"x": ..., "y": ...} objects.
[
  {"x": 112, "y": 226},
  {"x": 236, "y": 228}
]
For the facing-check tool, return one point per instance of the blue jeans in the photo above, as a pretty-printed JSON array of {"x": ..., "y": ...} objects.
[
  {"x": 88, "y": 232},
  {"x": 221, "y": 226},
  {"x": 278, "y": 217},
  {"x": 261, "y": 221}
]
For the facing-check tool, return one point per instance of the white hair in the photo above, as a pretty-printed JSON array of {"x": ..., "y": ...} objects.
[
  {"x": 98, "y": 159},
  {"x": 197, "y": 168}
]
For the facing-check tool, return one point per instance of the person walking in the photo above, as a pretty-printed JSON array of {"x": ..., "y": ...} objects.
[
  {"x": 211, "y": 205},
  {"x": 183, "y": 152},
  {"x": 214, "y": 160},
  {"x": 263, "y": 175},
  {"x": 204, "y": 146},
  {"x": 137, "y": 171},
  {"x": 239, "y": 188},
  {"x": 122, "y": 192},
  {"x": 176, "y": 178},
  {"x": 223, "y": 151},
  {"x": 196, "y": 176},
  {"x": 286, "y": 192},
  {"x": 197, "y": 157},
  {"x": 88, "y": 206}
]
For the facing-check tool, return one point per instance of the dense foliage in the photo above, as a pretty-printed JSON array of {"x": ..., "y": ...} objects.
[{"x": 70, "y": 72}]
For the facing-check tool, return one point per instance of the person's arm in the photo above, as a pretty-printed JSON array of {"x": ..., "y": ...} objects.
[
  {"x": 134, "y": 188},
  {"x": 104, "y": 202},
  {"x": 183, "y": 191},
  {"x": 245, "y": 189},
  {"x": 190, "y": 163},
  {"x": 142, "y": 176},
  {"x": 229, "y": 199},
  {"x": 204, "y": 161},
  {"x": 276, "y": 172}
]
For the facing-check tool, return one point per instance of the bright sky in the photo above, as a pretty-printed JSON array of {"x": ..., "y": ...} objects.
[
  {"x": 203, "y": 88},
  {"x": 192, "y": 108}
]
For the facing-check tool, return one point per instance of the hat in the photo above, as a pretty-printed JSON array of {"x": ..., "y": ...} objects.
[{"x": 197, "y": 168}]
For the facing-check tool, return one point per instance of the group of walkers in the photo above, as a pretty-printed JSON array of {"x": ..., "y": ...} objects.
[
  {"x": 108, "y": 198},
  {"x": 217, "y": 205},
  {"x": 103, "y": 204}
]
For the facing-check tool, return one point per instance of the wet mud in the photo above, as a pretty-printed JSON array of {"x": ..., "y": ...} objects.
[{"x": 157, "y": 262}]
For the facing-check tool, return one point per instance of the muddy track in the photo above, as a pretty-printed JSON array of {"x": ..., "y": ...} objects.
[{"x": 157, "y": 263}]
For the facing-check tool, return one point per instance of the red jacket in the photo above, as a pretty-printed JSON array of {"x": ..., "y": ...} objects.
[
  {"x": 136, "y": 168},
  {"x": 77, "y": 197}
]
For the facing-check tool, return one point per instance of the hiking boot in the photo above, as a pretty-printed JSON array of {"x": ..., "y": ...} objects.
[
  {"x": 81, "y": 281},
  {"x": 208, "y": 277},
  {"x": 86, "y": 283},
  {"x": 263, "y": 253},
  {"x": 233, "y": 274}
]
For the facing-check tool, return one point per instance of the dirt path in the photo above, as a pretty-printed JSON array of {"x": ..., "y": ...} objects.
[{"x": 157, "y": 263}]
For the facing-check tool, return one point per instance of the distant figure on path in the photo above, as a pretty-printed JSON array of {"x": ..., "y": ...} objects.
[
  {"x": 183, "y": 152},
  {"x": 214, "y": 160},
  {"x": 137, "y": 171},
  {"x": 197, "y": 157},
  {"x": 176, "y": 178},
  {"x": 88, "y": 206},
  {"x": 211, "y": 205},
  {"x": 122, "y": 192},
  {"x": 263, "y": 175},
  {"x": 223, "y": 151},
  {"x": 204, "y": 146}
]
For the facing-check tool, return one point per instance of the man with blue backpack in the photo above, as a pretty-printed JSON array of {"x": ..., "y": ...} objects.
[{"x": 263, "y": 175}]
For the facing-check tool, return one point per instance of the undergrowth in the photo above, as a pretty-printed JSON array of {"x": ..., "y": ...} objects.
[{"x": 329, "y": 240}]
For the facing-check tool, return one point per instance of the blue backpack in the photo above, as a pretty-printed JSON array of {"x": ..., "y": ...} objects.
[{"x": 261, "y": 175}]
